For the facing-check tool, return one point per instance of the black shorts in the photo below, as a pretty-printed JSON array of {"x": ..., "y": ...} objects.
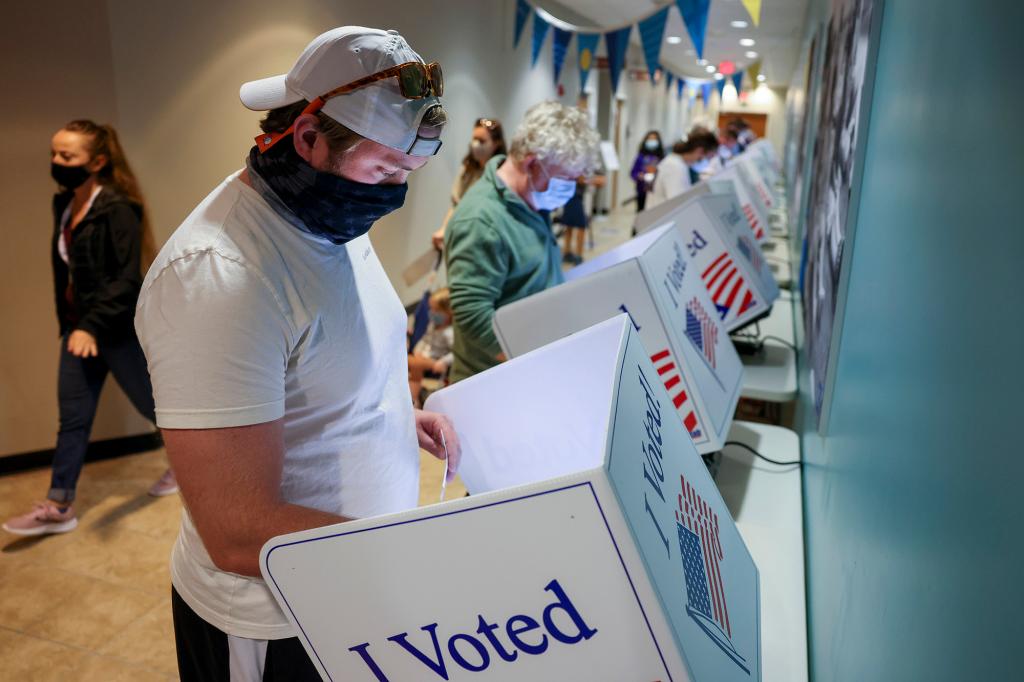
[{"x": 206, "y": 654}]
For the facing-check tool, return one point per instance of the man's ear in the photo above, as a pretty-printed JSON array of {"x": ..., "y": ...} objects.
[{"x": 305, "y": 133}]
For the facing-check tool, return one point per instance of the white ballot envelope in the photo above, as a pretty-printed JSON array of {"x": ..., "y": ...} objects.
[
  {"x": 651, "y": 279},
  {"x": 603, "y": 552}
]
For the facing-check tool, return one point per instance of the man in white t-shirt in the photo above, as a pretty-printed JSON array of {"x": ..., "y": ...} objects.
[{"x": 276, "y": 343}]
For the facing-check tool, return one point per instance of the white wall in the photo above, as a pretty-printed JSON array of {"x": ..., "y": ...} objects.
[
  {"x": 56, "y": 66},
  {"x": 182, "y": 121}
]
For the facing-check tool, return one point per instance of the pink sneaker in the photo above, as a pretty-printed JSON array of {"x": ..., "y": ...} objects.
[
  {"x": 166, "y": 485},
  {"x": 45, "y": 517}
]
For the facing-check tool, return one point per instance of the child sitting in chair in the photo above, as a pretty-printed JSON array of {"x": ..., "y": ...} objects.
[{"x": 432, "y": 355}]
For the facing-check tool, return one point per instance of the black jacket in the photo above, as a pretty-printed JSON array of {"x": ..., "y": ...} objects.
[{"x": 104, "y": 261}]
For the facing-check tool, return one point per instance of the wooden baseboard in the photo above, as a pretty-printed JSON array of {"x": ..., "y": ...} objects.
[{"x": 98, "y": 450}]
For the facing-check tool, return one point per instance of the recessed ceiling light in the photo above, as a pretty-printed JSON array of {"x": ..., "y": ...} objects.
[
  {"x": 761, "y": 78},
  {"x": 747, "y": 42},
  {"x": 719, "y": 76},
  {"x": 673, "y": 40},
  {"x": 702, "y": 62},
  {"x": 738, "y": 24},
  {"x": 750, "y": 54},
  {"x": 709, "y": 68}
]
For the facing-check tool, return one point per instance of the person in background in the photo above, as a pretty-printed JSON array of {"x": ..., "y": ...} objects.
[
  {"x": 745, "y": 135},
  {"x": 645, "y": 167},
  {"x": 277, "y": 344},
  {"x": 488, "y": 140},
  {"x": 681, "y": 169},
  {"x": 576, "y": 221},
  {"x": 499, "y": 246},
  {"x": 728, "y": 147},
  {"x": 432, "y": 355},
  {"x": 102, "y": 245}
]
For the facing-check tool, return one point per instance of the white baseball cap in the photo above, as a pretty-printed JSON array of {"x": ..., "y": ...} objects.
[{"x": 377, "y": 111}]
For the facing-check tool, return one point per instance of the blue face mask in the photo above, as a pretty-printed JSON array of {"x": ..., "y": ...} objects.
[
  {"x": 437, "y": 319},
  {"x": 557, "y": 194},
  {"x": 324, "y": 204},
  {"x": 700, "y": 166}
]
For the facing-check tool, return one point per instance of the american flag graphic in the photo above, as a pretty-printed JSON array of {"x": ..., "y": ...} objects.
[
  {"x": 748, "y": 211},
  {"x": 702, "y": 330},
  {"x": 701, "y": 553},
  {"x": 668, "y": 370},
  {"x": 726, "y": 285}
]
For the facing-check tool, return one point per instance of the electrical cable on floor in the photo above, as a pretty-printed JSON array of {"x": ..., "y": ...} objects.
[
  {"x": 779, "y": 339},
  {"x": 738, "y": 444}
]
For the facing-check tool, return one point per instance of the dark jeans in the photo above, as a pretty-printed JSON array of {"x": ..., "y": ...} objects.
[
  {"x": 641, "y": 197},
  {"x": 78, "y": 392}
]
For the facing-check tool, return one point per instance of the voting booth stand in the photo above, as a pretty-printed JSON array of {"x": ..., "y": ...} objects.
[
  {"x": 652, "y": 280},
  {"x": 603, "y": 550}
]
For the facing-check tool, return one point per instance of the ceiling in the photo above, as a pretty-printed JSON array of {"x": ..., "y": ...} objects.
[{"x": 777, "y": 38}]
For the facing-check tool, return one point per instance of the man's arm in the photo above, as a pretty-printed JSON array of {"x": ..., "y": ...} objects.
[
  {"x": 477, "y": 266},
  {"x": 230, "y": 480}
]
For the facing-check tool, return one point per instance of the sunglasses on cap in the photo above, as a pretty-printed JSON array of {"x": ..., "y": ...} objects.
[{"x": 416, "y": 80}]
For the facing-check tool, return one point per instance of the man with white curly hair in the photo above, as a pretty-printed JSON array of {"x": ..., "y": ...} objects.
[{"x": 499, "y": 246}]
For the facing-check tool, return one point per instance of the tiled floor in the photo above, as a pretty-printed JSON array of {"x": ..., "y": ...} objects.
[{"x": 93, "y": 604}]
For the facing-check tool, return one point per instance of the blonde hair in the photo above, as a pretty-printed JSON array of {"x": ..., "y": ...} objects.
[
  {"x": 557, "y": 134},
  {"x": 441, "y": 300}
]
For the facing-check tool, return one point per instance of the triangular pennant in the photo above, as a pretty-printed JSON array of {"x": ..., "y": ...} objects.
[
  {"x": 754, "y": 8},
  {"x": 522, "y": 14},
  {"x": 652, "y": 33},
  {"x": 695, "y": 16},
  {"x": 753, "y": 71},
  {"x": 616, "y": 43},
  {"x": 737, "y": 80},
  {"x": 562, "y": 39},
  {"x": 680, "y": 85},
  {"x": 586, "y": 45},
  {"x": 720, "y": 86},
  {"x": 540, "y": 31},
  {"x": 705, "y": 93}
]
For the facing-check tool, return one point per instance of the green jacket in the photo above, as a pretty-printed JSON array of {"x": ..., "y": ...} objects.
[{"x": 497, "y": 250}]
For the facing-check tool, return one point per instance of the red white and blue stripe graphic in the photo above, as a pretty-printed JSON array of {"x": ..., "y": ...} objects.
[
  {"x": 702, "y": 330},
  {"x": 668, "y": 371},
  {"x": 726, "y": 286},
  {"x": 698, "y": 518},
  {"x": 755, "y": 225}
]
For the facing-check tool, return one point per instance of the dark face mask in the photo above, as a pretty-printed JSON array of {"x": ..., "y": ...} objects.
[
  {"x": 327, "y": 205},
  {"x": 69, "y": 177}
]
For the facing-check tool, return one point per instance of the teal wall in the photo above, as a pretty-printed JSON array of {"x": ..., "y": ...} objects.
[{"x": 914, "y": 499}]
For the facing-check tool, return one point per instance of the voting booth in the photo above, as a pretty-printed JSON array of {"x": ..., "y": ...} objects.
[
  {"x": 763, "y": 194},
  {"x": 655, "y": 216},
  {"x": 651, "y": 279},
  {"x": 603, "y": 552},
  {"x": 731, "y": 265},
  {"x": 730, "y": 181}
]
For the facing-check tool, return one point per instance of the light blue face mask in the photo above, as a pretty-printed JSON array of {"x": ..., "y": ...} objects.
[
  {"x": 437, "y": 319},
  {"x": 700, "y": 166},
  {"x": 557, "y": 194}
]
